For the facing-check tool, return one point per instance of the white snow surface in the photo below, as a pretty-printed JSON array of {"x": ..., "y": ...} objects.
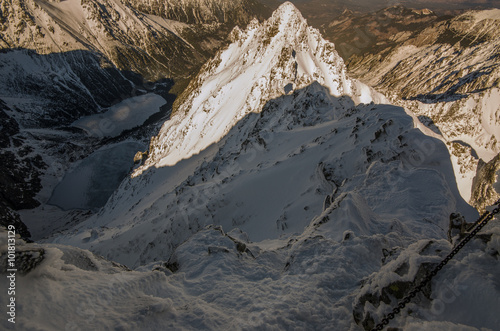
[
  {"x": 125, "y": 115},
  {"x": 491, "y": 14},
  {"x": 310, "y": 281}
]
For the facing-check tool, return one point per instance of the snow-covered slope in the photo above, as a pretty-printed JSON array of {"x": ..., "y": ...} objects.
[
  {"x": 223, "y": 282},
  {"x": 449, "y": 76},
  {"x": 339, "y": 191}
]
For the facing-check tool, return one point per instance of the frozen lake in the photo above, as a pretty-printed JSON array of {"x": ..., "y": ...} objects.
[
  {"x": 92, "y": 182},
  {"x": 123, "y": 116}
]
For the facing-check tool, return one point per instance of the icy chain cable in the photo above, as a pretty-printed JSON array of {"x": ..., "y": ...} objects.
[{"x": 475, "y": 228}]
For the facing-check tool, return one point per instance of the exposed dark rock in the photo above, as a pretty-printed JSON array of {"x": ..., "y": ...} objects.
[
  {"x": 10, "y": 217},
  {"x": 26, "y": 259},
  {"x": 390, "y": 294},
  {"x": 483, "y": 192}
]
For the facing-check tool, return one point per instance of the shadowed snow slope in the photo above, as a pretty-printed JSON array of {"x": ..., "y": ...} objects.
[{"x": 449, "y": 75}]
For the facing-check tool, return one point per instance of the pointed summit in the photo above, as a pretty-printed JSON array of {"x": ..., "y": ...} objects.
[
  {"x": 288, "y": 21},
  {"x": 288, "y": 11}
]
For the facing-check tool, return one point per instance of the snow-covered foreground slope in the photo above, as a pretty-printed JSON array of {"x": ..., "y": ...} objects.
[
  {"x": 365, "y": 200},
  {"x": 310, "y": 282}
]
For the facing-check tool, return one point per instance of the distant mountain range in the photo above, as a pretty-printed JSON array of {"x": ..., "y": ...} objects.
[
  {"x": 155, "y": 39},
  {"x": 322, "y": 12}
]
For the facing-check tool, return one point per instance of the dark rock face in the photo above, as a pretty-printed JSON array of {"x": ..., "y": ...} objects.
[
  {"x": 391, "y": 294},
  {"x": 8, "y": 128},
  {"x": 483, "y": 192},
  {"x": 19, "y": 172},
  {"x": 20, "y": 180},
  {"x": 26, "y": 258},
  {"x": 401, "y": 275},
  {"x": 10, "y": 217},
  {"x": 61, "y": 87},
  {"x": 10, "y": 187}
]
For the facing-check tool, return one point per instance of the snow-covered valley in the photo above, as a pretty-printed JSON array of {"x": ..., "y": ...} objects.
[{"x": 280, "y": 194}]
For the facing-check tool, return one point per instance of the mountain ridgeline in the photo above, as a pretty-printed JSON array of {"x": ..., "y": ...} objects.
[{"x": 238, "y": 12}]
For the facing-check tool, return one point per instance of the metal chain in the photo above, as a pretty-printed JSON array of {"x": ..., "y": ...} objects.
[{"x": 477, "y": 226}]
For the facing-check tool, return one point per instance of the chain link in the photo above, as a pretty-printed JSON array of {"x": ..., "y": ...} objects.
[{"x": 476, "y": 227}]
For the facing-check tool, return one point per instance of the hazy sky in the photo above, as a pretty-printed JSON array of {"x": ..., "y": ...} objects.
[
  {"x": 369, "y": 4},
  {"x": 323, "y": 11}
]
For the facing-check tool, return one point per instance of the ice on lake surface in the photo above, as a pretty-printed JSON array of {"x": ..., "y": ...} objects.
[
  {"x": 123, "y": 116},
  {"x": 93, "y": 181}
]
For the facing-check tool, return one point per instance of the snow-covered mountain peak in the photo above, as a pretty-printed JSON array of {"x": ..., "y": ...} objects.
[
  {"x": 288, "y": 13},
  {"x": 265, "y": 61}
]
